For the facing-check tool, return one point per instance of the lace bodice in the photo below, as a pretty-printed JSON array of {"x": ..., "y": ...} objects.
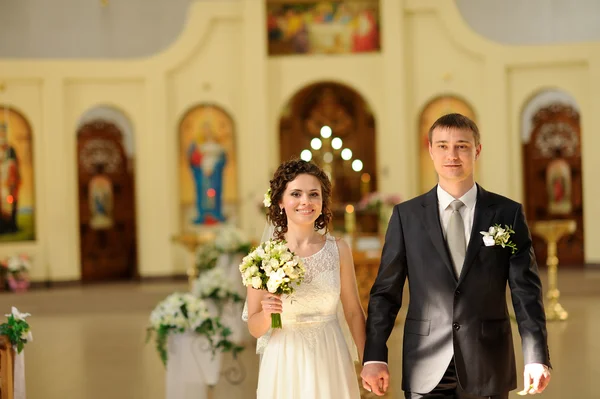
[
  {"x": 318, "y": 295},
  {"x": 316, "y": 301}
]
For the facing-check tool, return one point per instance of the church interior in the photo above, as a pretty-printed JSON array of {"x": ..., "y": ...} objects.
[{"x": 137, "y": 140}]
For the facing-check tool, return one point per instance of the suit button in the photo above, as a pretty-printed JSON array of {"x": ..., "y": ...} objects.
[
  {"x": 457, "y": 293},
  {"x": 456, "y": 326}
]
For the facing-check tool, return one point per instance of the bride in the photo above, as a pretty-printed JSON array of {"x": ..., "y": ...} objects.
[{"x": 310, "y": 357}]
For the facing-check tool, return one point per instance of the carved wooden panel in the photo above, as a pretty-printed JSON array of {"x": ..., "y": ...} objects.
[
  {"x": 553, "y": 178},
  {"x": 106, "y": 204},
  {"x": 346, "y": 113}
]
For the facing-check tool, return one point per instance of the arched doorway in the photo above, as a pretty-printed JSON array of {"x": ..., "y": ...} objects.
[
  {"x": 436, "y": 108},
  {"x": 17, "y": 200},
  {"x": 551, "y": 136},
  {"x": 332, "y": 125},
  {"x": 107, "y": 214}
]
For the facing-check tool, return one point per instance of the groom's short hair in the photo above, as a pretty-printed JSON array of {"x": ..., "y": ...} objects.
[{"x": 455, "y": 121}]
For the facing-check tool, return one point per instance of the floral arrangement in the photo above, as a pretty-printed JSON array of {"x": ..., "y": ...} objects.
[
  {"x": 231, "y": 240},
  {"x": 16, "y": 270},
  {"x": 214, "y": 284},
  {"x": 207, "y": 256},
  {"x": 497, "y": 235},
  {"x": 181, "y": 312},
  {"x": 17, "y": 329},
  {"x": 272, "y": 266},
  {"x": 374, "y": 201}
]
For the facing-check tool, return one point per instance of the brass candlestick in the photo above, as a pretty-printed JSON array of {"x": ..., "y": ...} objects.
[
  {"x": 192, "y": 241},
  {"x": 552, "y": 231}
]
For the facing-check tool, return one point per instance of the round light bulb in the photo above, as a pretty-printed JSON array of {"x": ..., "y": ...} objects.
[
  {"x": 357, "y": 165},
  {"x": 328, "y": 157},
  {"x": 316, "y": 143},
  {"x": 326, "y": 132},
  {"x": 336, "y": 143},
  {"x": 306, "y": 155},
  {"x": 346, "y": 154}
]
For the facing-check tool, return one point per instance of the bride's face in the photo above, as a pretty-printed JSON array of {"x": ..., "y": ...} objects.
[{"x": 302, "y": 199}]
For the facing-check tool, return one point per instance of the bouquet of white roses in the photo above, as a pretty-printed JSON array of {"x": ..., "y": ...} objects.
[{"x": 272, "y": 266}]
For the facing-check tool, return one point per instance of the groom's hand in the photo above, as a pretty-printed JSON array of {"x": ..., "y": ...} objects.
[
  {"x": 537, "y": 377},
  {"x": 375, "y": 378}
]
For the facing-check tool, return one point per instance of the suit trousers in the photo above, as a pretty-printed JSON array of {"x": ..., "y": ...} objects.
[{"x": 448, "y": 388}]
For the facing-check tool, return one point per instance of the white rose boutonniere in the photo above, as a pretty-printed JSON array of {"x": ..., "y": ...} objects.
[{"x": 497, "y": 235}]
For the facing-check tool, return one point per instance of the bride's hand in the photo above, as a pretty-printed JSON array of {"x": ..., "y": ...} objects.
[{"x": 271, "y": 303}]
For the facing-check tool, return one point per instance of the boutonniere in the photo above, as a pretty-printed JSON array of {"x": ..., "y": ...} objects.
[{"x": 497, "y": 235}]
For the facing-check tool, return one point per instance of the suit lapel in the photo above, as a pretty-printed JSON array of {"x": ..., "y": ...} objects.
[
  {"x": 434, "y": 228},
  {"x": 484, "y": 214}
]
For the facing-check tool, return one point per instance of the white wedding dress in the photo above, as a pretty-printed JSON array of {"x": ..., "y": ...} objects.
[{"x": 309, "y": 356}]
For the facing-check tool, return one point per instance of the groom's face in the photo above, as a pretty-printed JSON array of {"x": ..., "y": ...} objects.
[{"x": 454, "y": 152}]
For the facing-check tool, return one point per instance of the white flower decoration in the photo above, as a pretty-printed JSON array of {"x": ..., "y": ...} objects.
[
  {"x": 267, "y": 200},
  {"x": 497, "y": 235},
  {"x": 18, "y": 315}
]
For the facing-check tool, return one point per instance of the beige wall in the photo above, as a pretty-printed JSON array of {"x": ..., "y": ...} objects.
[{"x": 221, "y": 58}]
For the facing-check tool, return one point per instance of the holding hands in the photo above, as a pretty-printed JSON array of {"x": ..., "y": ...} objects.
[{"x": 375, "y": 378}]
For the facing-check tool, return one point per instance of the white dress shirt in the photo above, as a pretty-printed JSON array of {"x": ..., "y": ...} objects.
[{"x": 467, "y": 212}]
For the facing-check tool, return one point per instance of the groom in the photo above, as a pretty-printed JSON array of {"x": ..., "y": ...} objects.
[{"x": 457, "y": 335}]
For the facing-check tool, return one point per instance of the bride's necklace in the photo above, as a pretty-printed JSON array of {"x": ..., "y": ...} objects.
[{"x": 310, "y": 249}]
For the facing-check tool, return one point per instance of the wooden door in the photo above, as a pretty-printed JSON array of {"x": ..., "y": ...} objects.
[
  {"x": 553, "y": 182},
  {"x": 106, "y": 205}
]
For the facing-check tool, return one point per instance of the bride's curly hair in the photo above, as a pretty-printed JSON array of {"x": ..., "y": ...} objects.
[{"x": 287, "y": 172}]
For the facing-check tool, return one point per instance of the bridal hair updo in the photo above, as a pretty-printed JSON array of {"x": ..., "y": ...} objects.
[{"x": 286, "y": 173}]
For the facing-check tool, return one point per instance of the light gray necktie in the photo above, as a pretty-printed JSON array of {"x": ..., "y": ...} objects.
[{"x": 455, "y": 236}]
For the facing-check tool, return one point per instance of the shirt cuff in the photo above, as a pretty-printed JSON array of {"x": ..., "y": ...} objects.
[{"x": 374, "y": 361}]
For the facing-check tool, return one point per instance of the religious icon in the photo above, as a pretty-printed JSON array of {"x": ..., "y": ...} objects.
[
  {"x": 323, "y": 27},
  {"x": 207, "y": 162},
  {"x": 10, "y": 182},
  {"x": 558, "y": 187},
  {"x": 207, "y": 166},
  {"x": 100, "y": 193}
]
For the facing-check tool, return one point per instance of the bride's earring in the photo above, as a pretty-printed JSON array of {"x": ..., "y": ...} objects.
[{"x": 281, "y": 211}]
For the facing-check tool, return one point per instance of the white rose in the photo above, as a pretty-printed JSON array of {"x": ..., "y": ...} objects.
[
  {"x": 274, "y": 264},
  {"x": 488, "y": 241},
  {"x": 256, "y": 282}
]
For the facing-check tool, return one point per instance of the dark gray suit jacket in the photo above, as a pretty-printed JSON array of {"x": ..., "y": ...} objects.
[{"x": 465, "y": 317}]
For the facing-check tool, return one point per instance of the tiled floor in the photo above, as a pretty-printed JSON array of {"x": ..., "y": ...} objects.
[{"x": 89, "y": 343}]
